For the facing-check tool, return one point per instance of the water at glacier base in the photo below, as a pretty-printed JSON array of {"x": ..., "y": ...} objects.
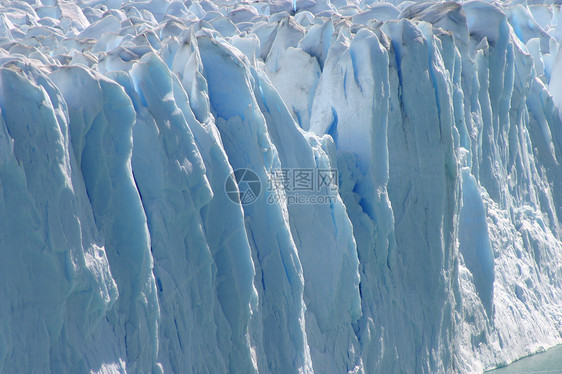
[{"x": 549, "y": 361}]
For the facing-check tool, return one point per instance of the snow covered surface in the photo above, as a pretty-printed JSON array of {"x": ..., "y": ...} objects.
[{"x": 121, "y": 122}]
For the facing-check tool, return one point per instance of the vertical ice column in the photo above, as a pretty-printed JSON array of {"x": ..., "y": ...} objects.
[
  {"x": 423, "y": 189},
  {"x": 324, "y": 239},
  {"x": 279, "y": 281},
  {"x": 101, "y": 120},
  {"x": 55, "y": 283}
]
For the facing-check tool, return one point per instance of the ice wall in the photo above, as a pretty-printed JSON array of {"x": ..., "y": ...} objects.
[{"x": 121, "y": 127}]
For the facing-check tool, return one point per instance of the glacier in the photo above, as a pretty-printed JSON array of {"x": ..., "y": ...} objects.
[{"x": 124, "y": 125}]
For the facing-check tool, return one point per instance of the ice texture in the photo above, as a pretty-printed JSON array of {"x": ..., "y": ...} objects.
[{"x": 122, "y": 124}]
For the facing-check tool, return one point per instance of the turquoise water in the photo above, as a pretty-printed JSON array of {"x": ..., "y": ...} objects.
[{"x": 548, "y": 362}]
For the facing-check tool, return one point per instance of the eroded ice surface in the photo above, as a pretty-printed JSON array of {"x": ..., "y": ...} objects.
[{"x": 121, "y": 122}]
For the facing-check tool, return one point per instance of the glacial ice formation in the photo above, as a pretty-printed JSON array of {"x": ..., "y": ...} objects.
[{"x": 440, "y": 250}]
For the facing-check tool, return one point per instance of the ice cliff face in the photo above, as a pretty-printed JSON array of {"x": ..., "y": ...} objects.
[{"x": 121, "y": 126}]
